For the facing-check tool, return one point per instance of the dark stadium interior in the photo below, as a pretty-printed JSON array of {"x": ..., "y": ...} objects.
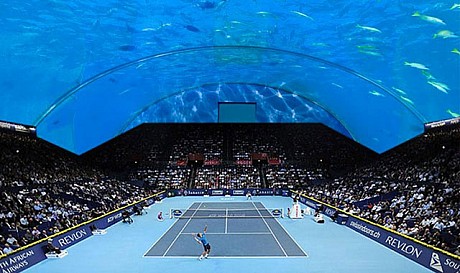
[{"x": 412, "y": 189}]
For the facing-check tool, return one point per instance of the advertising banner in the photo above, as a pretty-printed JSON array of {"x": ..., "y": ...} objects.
[
  {"x": 72, "y": 237},
  {"x": 108, "y": 220},
  {"x": 22, "y": 260},
  {"x": 265, "y": 192},
  {"x": 220, "y": 192},
  {"x": 238, "y": 192},
  {"x": 194, "y": 192},
  {"x": 421, "y": 254},
  {"x": 308, "y": 202},
  {"x": 428, "y": 257},
  {"x": 285, "y": 192},
  {"x": 217, "y": 192}
]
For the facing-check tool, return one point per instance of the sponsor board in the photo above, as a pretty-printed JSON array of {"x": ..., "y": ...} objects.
[
  {"x": 436, "y": 262},
  {"x": 309, "y": 203},
  {"x": 22, "y": 260},
  {"x": 238, "y": 192},
  {"x": 189, "y": 192},
  {"x": 429, "y": 258},
  {"x": 364, "y": 229},
  {"x": 285, "y": 192},
  {"x": 114, "y": 217},
  {"x": 329, "y": 211},
  {"x": 217, "y": 192},
  {"x": 442, "y": 123},
  {"x": 72, "y": 237},
  {"x": 265, "y": 192},
  {"x": 446, "y": 264}
]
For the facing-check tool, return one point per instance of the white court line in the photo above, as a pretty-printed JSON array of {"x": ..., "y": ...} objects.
[
  {"x": 232, "y": 233},
  {"x": 226, "y": 257},
  {"x": 229, "y": 257},
  {"x": 163, "y": 234},
  {"x": 221, "y": 209},
  {"x": 306, "y": 254},
  {"x": 226, "y": 220},
  {"x": 270, "y": 229},
  {"x": 177, "y": 236}
]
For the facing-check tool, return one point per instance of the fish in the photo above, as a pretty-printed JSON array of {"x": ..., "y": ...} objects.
[
  {"x": 372, "y": 29},
  {"x": 370, "y": 52},
  {"x": 428, "y": 75},
  {"x": 455, "y": 6},
  {"x": 366, "y": 47},
  {"x": 455, "y": 115},
  {"x": 124, "y": 91},
  {"x": 445, "y": 34},
  {"x": 319, "y": 44},
  {"x": 302, "y": 14},
  {"x": 157, "y": 28},
  {"x": 207, "y": 5},
  {"x": 191, "y": 28},
  {"x": 456, "y": 51},
  {"x": 427, "y": 18},
  {"x": 338, "y": 85},
  {"x": 127, "y": 48},
  {"x": 235, "y": 22},
  {"x": 375, "y": 93},
  {"x": 399, "y": 90},
  {"x": 266, "y": 14},
  {"x": 417, "y": 65},
  {"x": 407, "y": 99},
  {"x": 129, "y": 28},
  {"x": 440, "y": 86}
]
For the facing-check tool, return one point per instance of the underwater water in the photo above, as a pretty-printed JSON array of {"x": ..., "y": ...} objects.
[{"x": 84, "y": 72}]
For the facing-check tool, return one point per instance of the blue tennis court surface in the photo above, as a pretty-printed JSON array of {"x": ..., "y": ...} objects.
[
  {"x": 139, "y": 247},
  {"x": 235, "y": 229}
]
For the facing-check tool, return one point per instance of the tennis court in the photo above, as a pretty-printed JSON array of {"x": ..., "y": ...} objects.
[
  {"x": 331, "y": 248},
  {"x": 235, "y": 229}
]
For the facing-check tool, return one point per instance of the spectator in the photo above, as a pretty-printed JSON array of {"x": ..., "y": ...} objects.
[
  {"x": 52, "y": 248},
  {"x": 126, "y": 217},
  {"x": 7, "y": 249}
]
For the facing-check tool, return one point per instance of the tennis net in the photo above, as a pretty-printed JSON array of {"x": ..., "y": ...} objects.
[{"x": 226, "y": 213}]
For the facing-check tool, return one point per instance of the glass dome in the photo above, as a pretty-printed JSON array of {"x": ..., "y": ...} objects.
[{"x": 84, "y": 72}]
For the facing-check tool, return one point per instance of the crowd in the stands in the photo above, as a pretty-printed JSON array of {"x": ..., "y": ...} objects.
[
  {"x": 292, "y": 177},
  {"x": 27, "y": 160},
  {"x": 169, "y": 177},
  {"x": 261, "y": 139},
  {"x": 411, "y": 189},
  {"x": 45, "y": 190},
  {"x": 237, "y": 177},
  {"x": 152, "y": 152}
]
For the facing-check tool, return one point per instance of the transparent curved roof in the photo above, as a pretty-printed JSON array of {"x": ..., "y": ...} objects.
[{"x": 84, "y": 72}]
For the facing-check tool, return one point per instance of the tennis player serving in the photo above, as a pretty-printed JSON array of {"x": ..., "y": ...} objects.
[{"x": 201, "y": 239}]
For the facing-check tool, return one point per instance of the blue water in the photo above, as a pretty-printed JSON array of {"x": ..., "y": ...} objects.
[{"x": 378, "y": 68}]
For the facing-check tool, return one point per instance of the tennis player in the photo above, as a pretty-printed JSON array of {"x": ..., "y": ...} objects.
[
  {"x": 201, "y": 239},
  {"x": 248, "y": 195},
  {"x": 160, "y": 216}
]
